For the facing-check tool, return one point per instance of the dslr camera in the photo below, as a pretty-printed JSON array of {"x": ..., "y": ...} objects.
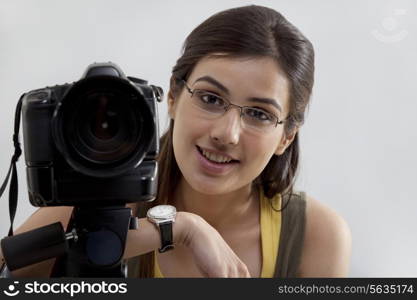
[{"x": 93, "y": 142}]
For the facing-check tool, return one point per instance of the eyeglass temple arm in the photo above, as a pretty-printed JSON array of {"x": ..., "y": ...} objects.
[{"x": 187, "y": 87}]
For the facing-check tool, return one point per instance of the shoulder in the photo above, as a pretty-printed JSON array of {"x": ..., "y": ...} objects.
[{"x": 327, "y": 242}]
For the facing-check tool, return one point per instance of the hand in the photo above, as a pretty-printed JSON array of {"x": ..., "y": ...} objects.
[{"x": 212, "y": 254}]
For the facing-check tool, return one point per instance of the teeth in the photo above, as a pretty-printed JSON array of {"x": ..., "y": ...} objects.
[{"x": 215, "y": 157}]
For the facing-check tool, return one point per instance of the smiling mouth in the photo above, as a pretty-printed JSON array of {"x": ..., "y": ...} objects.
[{"x": 215, "y": 162}]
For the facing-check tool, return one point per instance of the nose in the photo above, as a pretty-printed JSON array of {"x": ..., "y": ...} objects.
[{"x": 226, "y": 129}]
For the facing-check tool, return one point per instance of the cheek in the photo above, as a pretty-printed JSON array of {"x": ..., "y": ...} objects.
[
  {"x": 258, "y": 155},
  {"x": 261, "y": 159},
  {"x": 187, "y": 132},
  {"x": 188, "y": 129}
]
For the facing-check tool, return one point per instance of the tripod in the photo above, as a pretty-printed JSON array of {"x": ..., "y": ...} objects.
[{"x": 93, "y": 245}]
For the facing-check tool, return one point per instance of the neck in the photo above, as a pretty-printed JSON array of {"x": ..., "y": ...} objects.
[{"x": 221, "y": 210}]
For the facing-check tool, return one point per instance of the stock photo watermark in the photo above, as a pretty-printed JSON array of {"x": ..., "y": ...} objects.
[
  {"x": 392, "y": 31},
  {"x": 72, "y": 289}
]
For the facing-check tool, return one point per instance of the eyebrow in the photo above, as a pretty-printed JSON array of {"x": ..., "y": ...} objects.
[{"x": 220, "y": 86}]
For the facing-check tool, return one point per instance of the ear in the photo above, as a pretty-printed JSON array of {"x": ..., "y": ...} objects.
[
  {"x": 171, "y": 105},
  {"x": 285, "y": 142}
]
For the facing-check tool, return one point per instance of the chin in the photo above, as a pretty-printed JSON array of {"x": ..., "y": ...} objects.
[{"x": 206, "y": 186}]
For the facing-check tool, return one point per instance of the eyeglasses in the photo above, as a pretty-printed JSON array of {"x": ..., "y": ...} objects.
[{"x": 214, "y": 106}]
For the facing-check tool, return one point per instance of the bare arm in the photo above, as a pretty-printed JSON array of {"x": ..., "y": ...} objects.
[
  {"x": 212, "y": 254},
  {"x": 140, "y": 241}
]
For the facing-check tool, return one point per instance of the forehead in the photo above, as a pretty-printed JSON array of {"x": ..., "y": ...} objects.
[{"x": 245, "y": 77}]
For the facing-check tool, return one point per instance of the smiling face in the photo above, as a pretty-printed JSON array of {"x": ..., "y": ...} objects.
[{"x": 241, "y": 82}]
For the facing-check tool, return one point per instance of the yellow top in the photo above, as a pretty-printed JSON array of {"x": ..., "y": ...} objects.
[{"x": 270, "y": 234}]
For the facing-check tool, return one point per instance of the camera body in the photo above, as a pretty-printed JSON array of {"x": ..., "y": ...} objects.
[{"x": 93, "y": 142}]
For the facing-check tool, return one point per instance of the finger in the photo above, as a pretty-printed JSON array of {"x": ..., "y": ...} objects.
[{"x": 244, "y": 271}]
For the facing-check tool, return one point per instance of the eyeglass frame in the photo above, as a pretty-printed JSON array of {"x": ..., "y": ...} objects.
[{"x": 226, "y": 108}]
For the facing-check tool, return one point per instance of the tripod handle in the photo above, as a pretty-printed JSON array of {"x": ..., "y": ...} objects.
[{"x": 34, "y": 246}]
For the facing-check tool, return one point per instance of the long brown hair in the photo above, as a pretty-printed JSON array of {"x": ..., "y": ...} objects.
[{"x": 249, "y": 31}]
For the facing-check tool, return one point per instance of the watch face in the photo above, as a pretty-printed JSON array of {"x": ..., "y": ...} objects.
[{"x": 162, "y": 211}]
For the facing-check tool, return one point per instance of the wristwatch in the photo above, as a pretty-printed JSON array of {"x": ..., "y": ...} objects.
[{"x": 163, "y": 216}]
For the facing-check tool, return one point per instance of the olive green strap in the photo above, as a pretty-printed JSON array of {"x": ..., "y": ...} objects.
[{"x": 291, "y": 237}]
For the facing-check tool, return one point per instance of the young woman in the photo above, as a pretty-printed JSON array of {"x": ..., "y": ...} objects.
[{"x": 228, "y": 160}]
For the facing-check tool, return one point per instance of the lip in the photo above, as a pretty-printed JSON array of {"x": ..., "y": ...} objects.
[{"x": 214, "y": 168}]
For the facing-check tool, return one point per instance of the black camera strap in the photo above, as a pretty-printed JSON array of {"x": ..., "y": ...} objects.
[{"x": 13, "y": 190}]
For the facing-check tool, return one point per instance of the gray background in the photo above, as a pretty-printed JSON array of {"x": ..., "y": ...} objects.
[{"x": 358, "y": 145}]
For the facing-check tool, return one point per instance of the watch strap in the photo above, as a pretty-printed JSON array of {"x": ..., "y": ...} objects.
[{"x": 166, "y": 237}]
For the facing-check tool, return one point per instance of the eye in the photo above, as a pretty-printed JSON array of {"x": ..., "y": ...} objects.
[
  {"x": 259, "y": 114},
  {"x": 209, "y": 98}
]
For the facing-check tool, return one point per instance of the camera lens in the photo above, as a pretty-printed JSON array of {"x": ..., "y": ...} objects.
[
  {"x": 105, "y": 116},
  {"x": 103, "y": 126},
  {"x": 106, "y": 129}
]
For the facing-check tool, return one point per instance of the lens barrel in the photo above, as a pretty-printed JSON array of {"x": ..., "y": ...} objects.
[{"x": 103, "y": 126}]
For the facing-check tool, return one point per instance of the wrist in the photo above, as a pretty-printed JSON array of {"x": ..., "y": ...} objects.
[{"x": 182, "y": 228}]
